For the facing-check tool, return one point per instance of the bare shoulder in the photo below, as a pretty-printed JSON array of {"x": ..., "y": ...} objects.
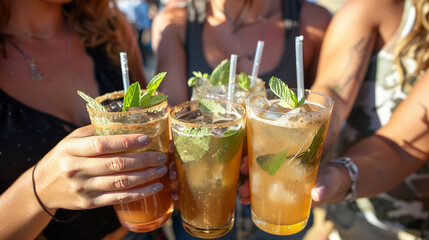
[
  {"x": 170, "y": 21},
  {"x": 315, "y": 16}
]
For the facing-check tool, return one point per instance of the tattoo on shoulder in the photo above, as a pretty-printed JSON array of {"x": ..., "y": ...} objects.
[{"x": 357, "y": 54}]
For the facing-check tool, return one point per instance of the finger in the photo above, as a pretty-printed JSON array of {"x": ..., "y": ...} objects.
[
  {"x": 109, "y": 164},
  {"x": 81, "y": 132},
  {"x": 117, "y": 182},
  {"x": 173, "y": 171},
  {"x": 130, "y": 195},
  {"x": 244, "y": 193},
  {"x": 245, "y": 166},
  {"x": 99, "y": 145},
  {"x": 318, "y": 193}
]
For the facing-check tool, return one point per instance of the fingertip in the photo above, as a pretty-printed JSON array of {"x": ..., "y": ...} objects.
[
  {"x": 143, "y": 140},
  {"x": 318, "y": 193}
]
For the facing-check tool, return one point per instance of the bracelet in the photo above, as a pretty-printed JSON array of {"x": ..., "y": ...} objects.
[
  {"x": 353, "y": 174},
  {"x": 73, "y": 217}
]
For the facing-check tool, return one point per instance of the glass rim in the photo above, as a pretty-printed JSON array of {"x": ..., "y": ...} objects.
[
  {"x": 217, "y": 95},
  {"x": 118, "y": 94},
  {"x": 180, "y": 106},
  {"x": 327, "y": 108}
]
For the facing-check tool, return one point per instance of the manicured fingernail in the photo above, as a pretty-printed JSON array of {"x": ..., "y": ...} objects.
[
  {"x": 143, "y": 140},
  {"x": 162, "y": 158},
  {"x": 161, "y": 170},
  {"x": 157, "y": 187}
]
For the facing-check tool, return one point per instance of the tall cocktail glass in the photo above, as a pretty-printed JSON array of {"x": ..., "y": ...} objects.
[
  {"x": 284, "y": 149},
  {"x": 208, "y": 155},
  {"x": 150, "y": 212}
]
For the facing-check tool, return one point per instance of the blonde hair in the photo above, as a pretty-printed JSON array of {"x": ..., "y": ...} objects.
[
  {"x": 415, "y": 45},
  {"x": 98, "y": 22}
]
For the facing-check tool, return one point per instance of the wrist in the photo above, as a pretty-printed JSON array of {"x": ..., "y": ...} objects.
[{"x": 348, "y": 168}]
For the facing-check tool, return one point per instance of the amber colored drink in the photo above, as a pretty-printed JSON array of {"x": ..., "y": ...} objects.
[
  {"x": 150, "y": 212},
  {"x": 208, "y": 156},
  {"x": 285, "y": 147}
]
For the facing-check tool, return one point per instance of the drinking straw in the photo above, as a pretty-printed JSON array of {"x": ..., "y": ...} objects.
[
  {"x": 299, "y": 67},
  {"x": 231, "y": 82},
  {"x": 257, "y": 61},
  {"x": 124, "y": 68}
]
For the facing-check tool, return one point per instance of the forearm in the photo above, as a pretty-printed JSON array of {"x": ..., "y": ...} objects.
[
  {"x": 21, "y": 215},
  {"x": 381, "y": 165}
]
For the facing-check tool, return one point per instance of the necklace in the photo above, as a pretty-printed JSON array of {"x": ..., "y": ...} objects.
[{"x": 34, "y": 71}]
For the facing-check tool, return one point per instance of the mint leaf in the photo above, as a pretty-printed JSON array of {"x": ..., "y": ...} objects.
[
  {"x": 287, "y": 96},
  {"x": 192, "y": 143},
  {"x": 220, "y": 74},
  {"x": 229, "y": 145},
  {"x": 271, "y": 163},
  {"x": 92, "y": 102},
  {"x": 208, "y": 105},
  {"x": 132, "y": 96},
  {"x": 151, "y": 87},
  {"x": 315, "y": 149},
  {"x": 154, "y": 100},
  {"x": 244, "y": 81},
  {"x": 192, "y": 81}
]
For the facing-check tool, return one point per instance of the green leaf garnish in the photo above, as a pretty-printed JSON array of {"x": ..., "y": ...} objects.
[
  {"x": 287, "y": 96},
  {"x": 154, "y": 100},
  {"x": 192, "y": 143},
  {"x": 310, "y": 155},
  {"x": 152, "y": 86},
  {"x": 271, "y": 163},
  {"x": 132, "y": 96},
  {"x": 197, "y": 75},
  {"x": 244, "y": 81},
  {"x": 92, "y": 102},
  {"x": 208, "y": 105},
  {"x": 229, "y": 145},
  {"x": 220, "y": 74}
]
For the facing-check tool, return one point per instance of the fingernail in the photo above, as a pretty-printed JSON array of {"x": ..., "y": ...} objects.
[
  {"x": 162, "y": 158},
  {"x": 157, "y": 187},
  {"x": 161, "y": 170},
  {"x": 143, "y": 140}
]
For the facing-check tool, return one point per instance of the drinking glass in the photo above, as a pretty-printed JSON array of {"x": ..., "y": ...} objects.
[{"x": 284, "y": 148}]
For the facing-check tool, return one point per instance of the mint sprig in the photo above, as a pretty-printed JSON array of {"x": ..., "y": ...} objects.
[
  {"x": 244, "y": 81},
  {"x": 192, "y": 143},
  {"x": 220, "y": 74},
  {"x": 310, "y": 155},
  {"x": 208, "y": 105},
  {"x": 287, "y": 96},
  {"x": 197, "y": 75},
  {"x": 271, "y": 163},
  {"x": 94, "y": 104},
  {"x": 134, "y": 98},
  {"x": 229, "y": 145}
]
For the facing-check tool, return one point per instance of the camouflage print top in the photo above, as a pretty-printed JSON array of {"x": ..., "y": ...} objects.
[{"x": 380, "y": 94}]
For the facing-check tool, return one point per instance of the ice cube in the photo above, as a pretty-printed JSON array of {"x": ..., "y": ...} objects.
[
  {"x": 113, "y": 105},
  {"x": 304, "y": 108},
  {"x": 217, "y": 90},
  {"x": 192, "y": 116},
  {"x": 262, "y": 103},
  {"x": 279, "y": 193}
]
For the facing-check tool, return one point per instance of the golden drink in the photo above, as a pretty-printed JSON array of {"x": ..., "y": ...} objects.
[
  {"x": 150, "y": 212},
  {"x": 284, "y": 153},
  {"x": 208, "y": 156}
]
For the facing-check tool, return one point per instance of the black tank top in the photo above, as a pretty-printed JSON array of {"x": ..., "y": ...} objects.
[
  {"x": 26, "y": 135},
  {"x": 285, "y": 69}
]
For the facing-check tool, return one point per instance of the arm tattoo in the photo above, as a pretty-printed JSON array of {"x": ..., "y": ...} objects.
[{"x": 358, "y": 53}]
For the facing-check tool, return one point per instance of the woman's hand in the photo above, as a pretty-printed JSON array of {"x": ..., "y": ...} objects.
[{"x": 86, "y": 171}]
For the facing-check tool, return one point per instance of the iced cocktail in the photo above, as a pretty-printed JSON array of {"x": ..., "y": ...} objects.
[
  {"x": 284, "y": 147},
  {"x": 208, "y": 140}
]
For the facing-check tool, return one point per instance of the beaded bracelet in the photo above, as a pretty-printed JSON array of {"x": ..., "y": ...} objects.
[{"x": 73, "y": 217}]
